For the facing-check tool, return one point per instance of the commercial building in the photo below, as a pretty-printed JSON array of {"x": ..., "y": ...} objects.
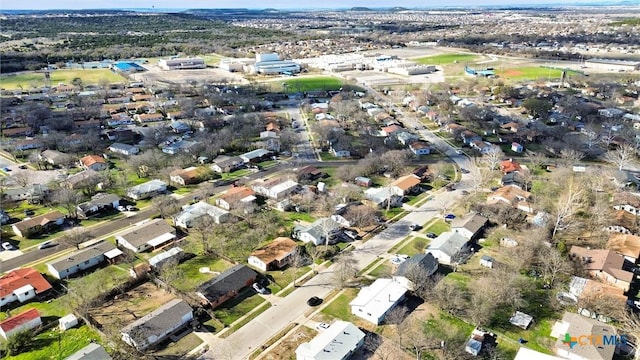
[
  {"x": 182, "y": 63},
  {"x": 612, "y": 64}
]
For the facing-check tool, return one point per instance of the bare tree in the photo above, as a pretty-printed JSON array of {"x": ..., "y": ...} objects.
[
  {"x": 68, "y": 199},
  {"x": 202, "y": 229},
  {"x": 569, "y": 157},
  {"x": 493, "y": 157},
  {"x": 537, "y": 158},
  {"x": 345, "y": 269},
  {"x": 361, "y": 215},
  {"x": 395, "y": 161},
  {"x": 552, "y": 265},
  {"x": 622, "y": 156},
  {"x": 568, "y": 205},
  {"x": 165, "y": 204},
  {"x": 75, "y": 237},
  {"x": 22, "y": 178},
  {"x": 416, "y": 338},
  {"x": 479, "y": 176}
]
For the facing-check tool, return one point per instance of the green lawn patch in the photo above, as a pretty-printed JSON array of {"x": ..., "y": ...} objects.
[
  {"x": 383, "y": 269},
  {"x": 302, "y": 84},
  {"x": 339, "y": 307},
  {"x": 237, "y": 307},
  {"x": 444, "y": 59},
  {"x": 181, "y": 347},
  {"x": 458, "y": 277},
  {"x": 327, "y": 156},
  {"x": 191, "y": 275},
  {"x": 53, "y": 344},
  {"x": 36, "y": 79},
  {"x": 300, "y": 216},
  {"x": 280, "y": 279},
  {"x": 414, "y": 246},
  {"x": 438, "y": 227},
  {"x": 211, "y": 59},
  {"x": 246, "y": 320},
  {"x": 109, "y": 277}
]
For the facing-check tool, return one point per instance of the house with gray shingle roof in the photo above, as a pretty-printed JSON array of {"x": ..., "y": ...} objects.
[
  {"x": 81, "y": 260},
  {"x": 317, "y": 232},
  {"x": 158, "y": 325},
  {"x": 449, "y": 247}
]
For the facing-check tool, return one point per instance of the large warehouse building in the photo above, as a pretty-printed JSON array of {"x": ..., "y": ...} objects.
[
  {"x": 181, "y": 63},
  {"x": 612, "y": 65},
  {"x": 270, "y": 63}
]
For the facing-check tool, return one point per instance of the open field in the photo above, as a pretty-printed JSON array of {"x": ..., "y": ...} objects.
[
  {"x": 132, "y": 305},
  {"x": 530, "y": 73},
  {"x": 312, "y": 83},
  {"x": 211, "y": 59},
  {"x": 36, "y": 79},
  {"x": 444, "y": 59}
]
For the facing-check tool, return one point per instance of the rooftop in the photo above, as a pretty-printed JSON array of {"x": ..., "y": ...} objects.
[
  {"x": 17, "y": 320},
  {"x": 336, "y": 342},
  {"x": 18, "y": 278},
  {"x": 144, "y": 233},
  {"x": 278, "y": 249},
  {"x": 158, "y": 321},
  {"x": 81, "y": 256},
  {"x": 378, "y": 297}
]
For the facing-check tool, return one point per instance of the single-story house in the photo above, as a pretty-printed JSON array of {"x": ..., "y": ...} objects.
[
  {"x": 34, "y": 193},
  {"x": 318, "y": 232},
  {"x": 418, "y": 266},
  {"x": 144, "y": 118},
  {"x": 147, "y": 236},
  {"x": 54, "y": 157},
  {"x": 586, "y": 291},
  {"x": 99, "y": 202},
  {"x": 28, "y": 144},
  {"x": 255, "y": 155},
  {"x": 450, "y": 247},
  {"x": 147, "y": 190},
  {"x": 382, "y": 197},
  {"x": 183, "y": 146},
  {"x": 124, "y": 149},
  {"x": 469, "y": 137},
  {"x": 92, "y": 351},
  {"x": 575, "y": 325},
  {"x": 27, "y": 320},
  {"x": 420, "y": 147},
  {"x": 84, "y": 259},
  {"x": 157, "y": 325},
  {"x": 225, "y": 164},
  {"x": 185, "y": 219},
  {"x": 339, "y": 342},
  {"x": 404, "y": 185},
  {"x": 240, "y": 197},
  {"x": 188, "y": 176},
  {"x": 376, "y": 300},
  {"x": 340, "y": 150},
  {"x": 513, "y": 196},
  {"x": 484, "y": 147},
  {"x": 275, "y": 188},
  {"x": 275, "y": 255},
  {"x": 22, "y": 285},
  {"x": 470, "y": 226},
  {"x": 93, "y": 162},
  {"x": 38, "y": 224},
  {"x": 87, "y": 177},
  {"x": 508, "y": 166},
  {"x": 605, "y": 265},
  {"x": 226, "y": 285}
]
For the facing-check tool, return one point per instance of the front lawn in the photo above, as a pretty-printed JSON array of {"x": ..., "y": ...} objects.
[
  {"x": 237, "y": 307},
  {"x": 53, "y": 344},
  {"x": 437, "y": 227},
  {"x": 339, "y": 306},
  {"x": 414, "y": 246},
  {"x": 190, "y": 275}
]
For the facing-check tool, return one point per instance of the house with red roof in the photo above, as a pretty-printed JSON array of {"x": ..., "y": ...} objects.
[
  {"x": 22, "y": 285},
  {"x": 93, "y": 162},
  {"x": 27, "y": 320}
]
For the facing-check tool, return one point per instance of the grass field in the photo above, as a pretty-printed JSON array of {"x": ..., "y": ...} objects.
[
  {"x": 312, "y": 83},
  {"x": 444, "y": 59},
  {"x": 211, "y": 59},
  {"x": 530, "y": 73},
  {"x": 35, "y": 79}
]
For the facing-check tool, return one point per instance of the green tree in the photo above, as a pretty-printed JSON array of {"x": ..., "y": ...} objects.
[
  {"x": 537, "y": 108},
  {"x": 18, "y": 342}
]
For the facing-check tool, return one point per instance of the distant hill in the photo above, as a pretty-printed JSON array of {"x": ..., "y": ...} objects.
[
  {"x": 398, "y": 8},
  {"x": 360, "y": 8}
]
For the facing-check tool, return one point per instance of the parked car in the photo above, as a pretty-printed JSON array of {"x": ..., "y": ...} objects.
[
  {"x": 8, "y": 246},
  {"x": 131, "y": 208},
  {"x": 399, "y": 259},
  {"x": 47, "y": 244},
  {"x": 465, "y": 192},
  {"x": 464, "y": 171},
  {"x": 314, "y": 301},
  {"x": 23, "y": 167},
  {"x": 122, "y": 208},
  {"x": 352, "y": 234},
  {"x": 322, "y": 326},
  {"x": 415, "y": 227},
  {"x": 29, "y": 212},
  {"x": 449, "y": 217},
  {"x": 431, "y": 235},
  {"x": 259, "y": 288},
  {"x": 6, "y": 169}
]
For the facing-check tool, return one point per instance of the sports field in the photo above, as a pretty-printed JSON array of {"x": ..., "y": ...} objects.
[
  {"x": 29, "y": 80},
  {"x": 444, "y": 59},
  {"x": 298, "y": 84},
  {"x": 530, "y": 73}
]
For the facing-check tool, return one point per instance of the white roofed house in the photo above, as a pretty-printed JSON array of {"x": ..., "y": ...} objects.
[
  {"x": 339, "y": 342},
  {"x": 317, "y": 232},
  {"x": 382, "y": 197},
  {"x": 84, "y": 259},
  {"x": 450, "y": 247},
  {"x": 147, "y": 236},
  {"x": 375, "y": 301},
  {"x": 255, "y": 155},
  {"x": 157, "y": 325},
  {"x": 124, "y": 149},
  {"x": 190, "y": 213},
  {"x": 275, "y": 188},
  {"x": 147, "y": 190}
]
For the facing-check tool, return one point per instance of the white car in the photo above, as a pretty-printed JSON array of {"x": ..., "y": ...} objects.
[
  {"x": 257, "y": 287},
  {"x": 122, "y": 208},
  {"x": 322, "y": 326},
  {"x": 7, "y": 246},
  {"x": 399, "y": 259}
]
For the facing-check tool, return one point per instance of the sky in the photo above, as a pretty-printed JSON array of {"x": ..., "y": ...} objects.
[{"x": 254, "y": 4}]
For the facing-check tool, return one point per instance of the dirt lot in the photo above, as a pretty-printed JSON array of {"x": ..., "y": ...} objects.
[
  {"x": 131, "y": 306},
  {"x": 287, "y": 348},
  {"x": 210, "y": 75}
]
